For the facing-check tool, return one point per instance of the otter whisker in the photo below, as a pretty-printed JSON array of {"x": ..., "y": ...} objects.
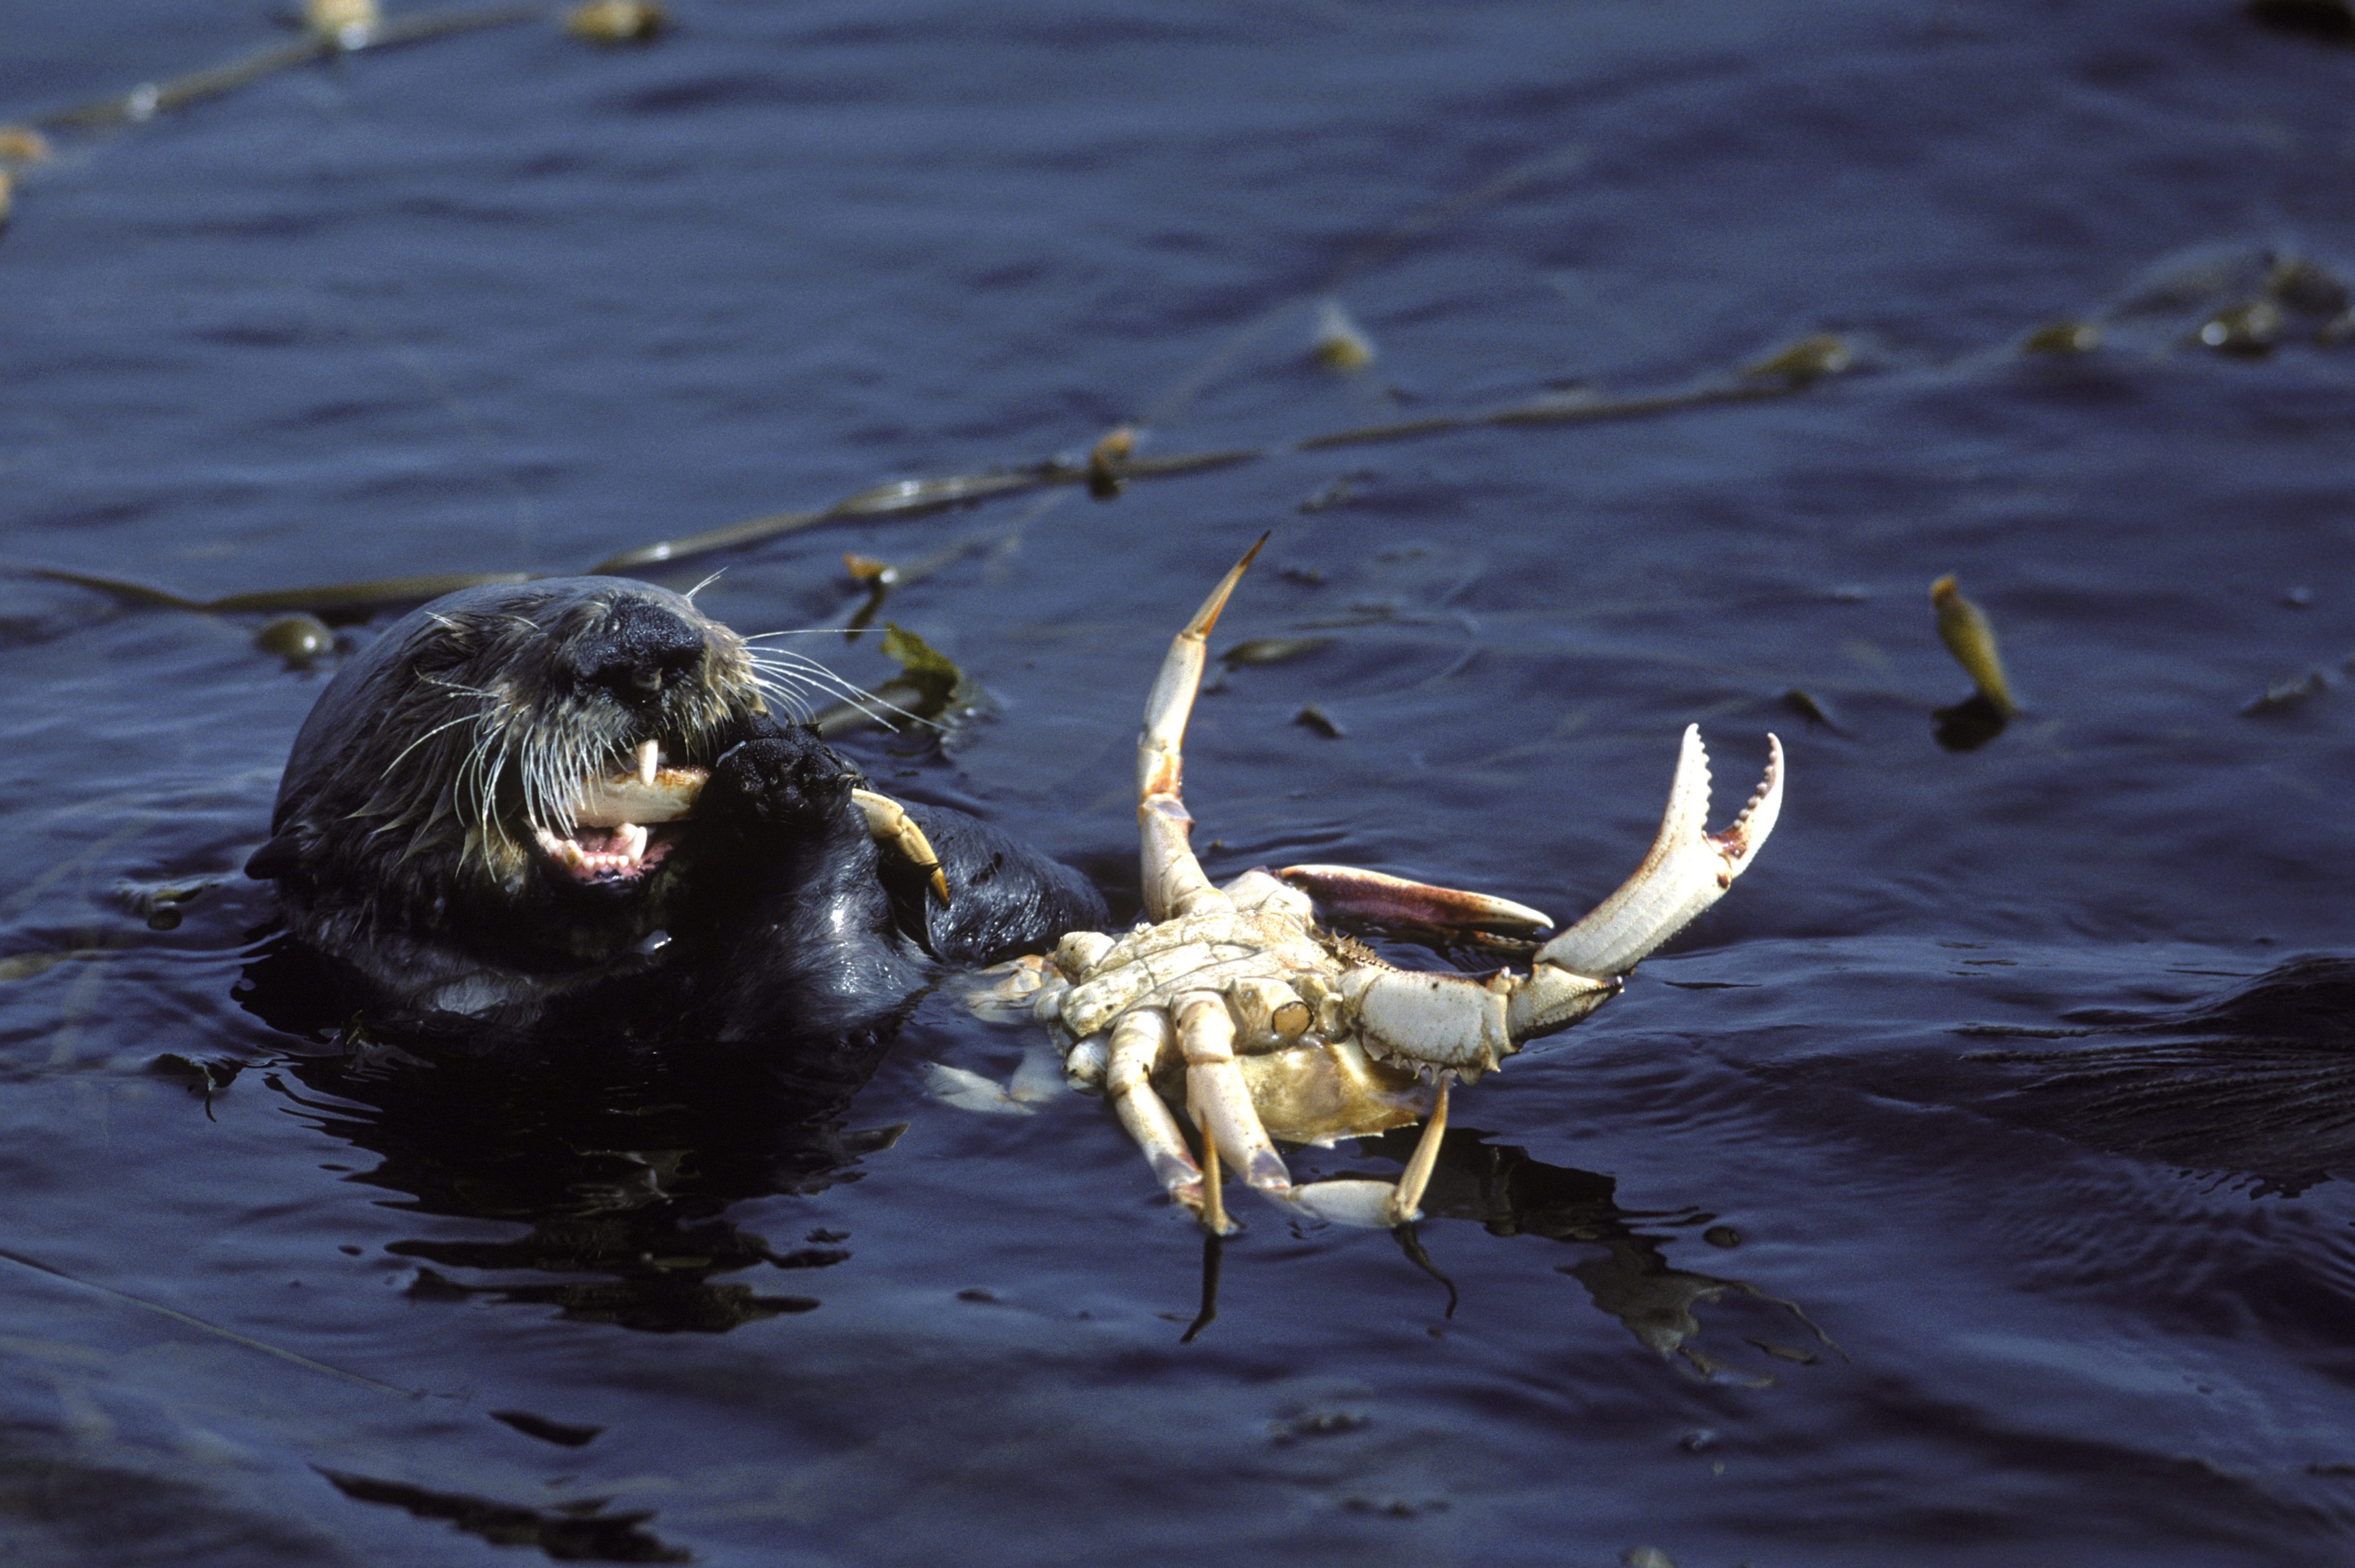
[
  {"x": 786, "y": 697},
  {"x": 866, "y": 701},
  {"x": 689, "y": 594},
  {"x": 454, "y": 687},
  {"x": 809, "y": 674},
  {"x": 797, "y": 666},
  {"x": 494, "y": 826},
  {"x": 786, "y": 678},
  {"x": 447, "y": 723},
  {"x": 794, "y": 631}
]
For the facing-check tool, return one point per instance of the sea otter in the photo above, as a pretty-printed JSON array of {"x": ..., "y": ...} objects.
[{"x": 568, "y": 804}]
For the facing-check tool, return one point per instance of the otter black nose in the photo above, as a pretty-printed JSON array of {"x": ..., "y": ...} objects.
[{"x": 640, "y": 647}]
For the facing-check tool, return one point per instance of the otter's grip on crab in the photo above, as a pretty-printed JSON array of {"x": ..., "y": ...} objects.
[{"x": 1287, "y": 1030}]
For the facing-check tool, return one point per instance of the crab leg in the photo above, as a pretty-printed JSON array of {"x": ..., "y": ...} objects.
[
  {"x": 1214, "y": 1203},
  {"x": 1350, "y": 891},
  {"x": 1173, "y": 881},
  {"x": 889, "y": 824},
  {"x": 1138, "y": 1041},
  {"x": 1217, "y": 1096}
]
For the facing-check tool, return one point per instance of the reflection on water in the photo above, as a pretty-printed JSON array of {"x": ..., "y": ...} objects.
[
  {"x": 1968, "y": 725},
  {"x": 621, "y": 1161},
  {"x": 1510, "y": 1192},
  {"x": 622, "y": 1164}
]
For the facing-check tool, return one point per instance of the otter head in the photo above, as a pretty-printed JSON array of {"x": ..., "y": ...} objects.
[{"x": 508, "y": 768}]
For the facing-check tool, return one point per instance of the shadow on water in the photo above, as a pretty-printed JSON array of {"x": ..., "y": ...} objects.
[
  {"x": 1968, "y": 725},
  {"x": 2259, "y": 1081},
  {"x": 1510, "y": 1192},
  {"x": 620, "y": 1159}
]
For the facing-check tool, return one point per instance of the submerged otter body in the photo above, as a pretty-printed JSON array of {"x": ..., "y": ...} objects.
[{"x": 566, "y": 804}]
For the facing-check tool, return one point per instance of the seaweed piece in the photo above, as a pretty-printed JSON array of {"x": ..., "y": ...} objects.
[
  {"x": 300, "y": 640},
  {"x": 1338, "y": 342},
  {"x": 2284, "y": 695},
  {"x": 1311, "y": 716},
  {"x": 1816, "y": 355},
  {"x": 2248, "y": 330},
  {"x": 1271, "y": 650},
  {"x": 616, "y": 21},
  {"x": 1963, "y": 628},
  {"x": 1108, "y": 463},
  {"x": 2062, "y": 337}
]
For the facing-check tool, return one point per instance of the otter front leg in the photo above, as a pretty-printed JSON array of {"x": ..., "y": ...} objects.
[
  {"x": 1004, "y": 897},
  {"x": 790, "y": 895}
]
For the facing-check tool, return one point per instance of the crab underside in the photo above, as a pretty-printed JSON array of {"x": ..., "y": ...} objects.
[{"x": 1239, "y": 1006}]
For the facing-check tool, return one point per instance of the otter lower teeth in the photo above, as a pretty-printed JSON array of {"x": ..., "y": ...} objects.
[{"x": 623, "y": 850}]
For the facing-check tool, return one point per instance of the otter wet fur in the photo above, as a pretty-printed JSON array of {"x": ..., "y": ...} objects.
[{"x": 569, "y": 805}]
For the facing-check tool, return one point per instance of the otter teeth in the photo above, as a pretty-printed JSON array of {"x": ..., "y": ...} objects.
[
  {"x": 614, "y": 852},
  {"x": 649, "y": 755}
]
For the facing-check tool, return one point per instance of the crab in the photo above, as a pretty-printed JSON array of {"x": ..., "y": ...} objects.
[{"x": 1266, "y": 1024}]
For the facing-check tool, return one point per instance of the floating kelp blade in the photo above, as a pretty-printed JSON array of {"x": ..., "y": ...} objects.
[
  {"x": 924, "y": 668},
  {"x": 1963, "y": 628},
  {"x": 1820, "y": 354},
  {"x": 373, "y": 593},
  {"x": 2249, "y": 329},
  {"x": 930, "y": 690},
  {"x": 616, "y": 21},
  {"x": 331, "y": 27},
  {"x": 2063, "y": 338},
  {"x": 1108, "y": 461},
  {"x": 2284, "y": 696},
  {"x": 341, "y": 20},
  {"x": 1271, "y": 650},
  {"x": 1112, "y": 462}
]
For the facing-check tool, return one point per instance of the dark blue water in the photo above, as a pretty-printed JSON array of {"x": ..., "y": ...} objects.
[{"x": 1947, "y": 1196}]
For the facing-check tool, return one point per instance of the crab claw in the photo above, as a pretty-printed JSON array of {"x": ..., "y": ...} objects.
[{"x": 1688, "y": 869}]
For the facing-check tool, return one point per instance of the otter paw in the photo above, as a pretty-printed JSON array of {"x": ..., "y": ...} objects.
[{"x": 777, "y": 784}]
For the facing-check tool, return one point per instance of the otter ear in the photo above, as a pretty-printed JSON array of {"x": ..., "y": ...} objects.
[{"x": 281, "y": 856}]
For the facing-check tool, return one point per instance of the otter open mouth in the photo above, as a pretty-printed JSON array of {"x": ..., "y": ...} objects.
[{"x": 625, "y": 824}]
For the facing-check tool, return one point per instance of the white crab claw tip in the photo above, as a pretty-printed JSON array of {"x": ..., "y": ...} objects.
[
  {"x": 1741, "y": 841},
  {"x": 1687, "y": 870}
]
